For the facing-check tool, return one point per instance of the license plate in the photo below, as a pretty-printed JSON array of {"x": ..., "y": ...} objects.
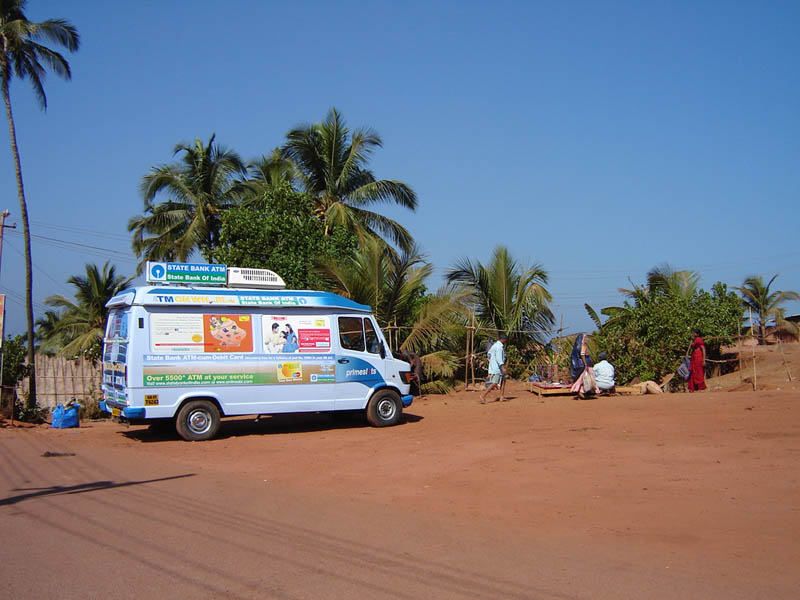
[{"x": 116, "y": 412}]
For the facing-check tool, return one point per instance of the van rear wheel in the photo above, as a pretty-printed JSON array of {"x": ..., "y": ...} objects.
[
  {"x": 198, "y": 420},
  {"x": 384, "y": 409}
]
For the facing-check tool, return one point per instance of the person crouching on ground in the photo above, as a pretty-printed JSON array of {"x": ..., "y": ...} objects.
[
  {"x": 497, "y": 369},
  {"x": 604, "y": 373},
  {"x": 581, "y": 368}
]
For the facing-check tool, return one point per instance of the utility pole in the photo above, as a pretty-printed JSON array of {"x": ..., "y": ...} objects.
[{"x": 3, "y": 226}]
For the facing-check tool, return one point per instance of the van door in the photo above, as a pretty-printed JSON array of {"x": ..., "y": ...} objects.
[{"x": 359, "y": 366}]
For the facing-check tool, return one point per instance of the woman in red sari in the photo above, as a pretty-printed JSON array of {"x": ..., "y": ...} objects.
[{"x": 697, "y": 377}]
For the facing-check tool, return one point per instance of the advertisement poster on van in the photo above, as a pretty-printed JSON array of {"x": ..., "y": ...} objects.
[
  {"x": 190, "y": 332},
  {"x": 287, "y": 334}
]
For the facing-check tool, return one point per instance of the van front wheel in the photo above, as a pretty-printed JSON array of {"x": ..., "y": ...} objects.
[
  {"x": 198, "y": 420},
  {"x": 384, "y": 409}
]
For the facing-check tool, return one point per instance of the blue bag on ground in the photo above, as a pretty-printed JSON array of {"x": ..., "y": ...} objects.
[
  {"x": 685, "y": 369},
  {"x": 65, "y": 417}
]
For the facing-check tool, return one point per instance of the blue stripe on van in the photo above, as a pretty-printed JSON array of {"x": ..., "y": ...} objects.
[{"x": 291, "y": 298}]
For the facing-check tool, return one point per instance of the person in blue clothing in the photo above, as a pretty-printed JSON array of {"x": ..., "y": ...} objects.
[
  {"x": 580, "y": 359},
  {"x": 291, "y": 340},
  {"x": 497, "y": 369}
]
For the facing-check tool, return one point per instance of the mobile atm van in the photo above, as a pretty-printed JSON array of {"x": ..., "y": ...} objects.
[{"x": 195, "y": 354}]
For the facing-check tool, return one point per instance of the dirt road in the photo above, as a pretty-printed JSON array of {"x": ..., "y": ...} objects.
[{"x": 674, "y": 496}]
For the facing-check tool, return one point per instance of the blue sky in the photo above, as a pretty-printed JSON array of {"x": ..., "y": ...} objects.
[{"x": 598, "y": 139}]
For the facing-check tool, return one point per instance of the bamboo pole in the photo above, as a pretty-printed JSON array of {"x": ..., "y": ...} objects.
[
  {"x": 472, "y": 352},
  {"x": 752, "y": 332},
  {"x": 783, "y": 357},
  {"x": 739, "y": 350},
  {"x": 467, "y": 358}
]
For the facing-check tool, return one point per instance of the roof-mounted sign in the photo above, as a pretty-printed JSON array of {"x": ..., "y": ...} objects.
[{"x": 168, "y": 272}]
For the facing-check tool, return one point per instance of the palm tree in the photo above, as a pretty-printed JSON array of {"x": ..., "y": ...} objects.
[
  {"x": 50, "y": 342},
  {"x": 393, "y": 284},
  {"x": 377, "y": 276},
  {"x": 506, "y": 295},
  {"x": 332, "y": 168},
  {"x": 266, "y": 175},
  {"x": 663, "y": 279},
  {"x": 273, "y": 169},
  {"x": 21, "y": 56},
  {"x": 436, "y": 335},
  {"x": 80, "y": 324},
  {"x": 199, "y": 188},
  {"x": 766, "y": 305}
]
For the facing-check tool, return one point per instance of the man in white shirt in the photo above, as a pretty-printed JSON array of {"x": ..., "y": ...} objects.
[
  {"x": 604, "y": 373},
  {"x": 497, "y": 368}
]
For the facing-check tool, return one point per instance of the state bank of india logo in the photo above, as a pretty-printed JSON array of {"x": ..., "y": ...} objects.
[{"x": 158, "y": 271}]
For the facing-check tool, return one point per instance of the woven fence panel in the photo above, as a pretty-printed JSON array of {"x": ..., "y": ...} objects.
[{"x": 59, "y": 379}]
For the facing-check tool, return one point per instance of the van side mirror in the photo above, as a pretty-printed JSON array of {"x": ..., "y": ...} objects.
[{"x": 383, "y": 351}]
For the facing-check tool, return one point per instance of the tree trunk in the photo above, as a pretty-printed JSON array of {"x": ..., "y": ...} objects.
[{"x": 23, "y": 207}]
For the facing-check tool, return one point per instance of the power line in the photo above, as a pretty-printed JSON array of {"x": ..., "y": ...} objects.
[
  {"x": 19, "y": 299},
  {"x": 60, "y": 284},
  {"x": 68, "y": 229},
  {"x": 84, "y": 248}
]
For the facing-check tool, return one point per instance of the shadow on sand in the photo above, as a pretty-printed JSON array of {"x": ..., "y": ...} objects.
[
  {"x": 268, "y": 425},
  {"x": 81, "y": 488}
]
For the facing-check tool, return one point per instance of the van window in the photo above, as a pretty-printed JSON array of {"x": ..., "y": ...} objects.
[
  {"x": 351, "y": 334},
  {"x": 373, "y": 344}
]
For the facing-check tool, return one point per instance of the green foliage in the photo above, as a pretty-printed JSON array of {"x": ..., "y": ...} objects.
[
  {"x": 507, "y": 295},
  {"x": 377, "y": 276},
  {"x": 765, "y": 305},
  {"x": 77, "y": 328},
  {"x": 283, "y": 235},
  {"x": 331, "y": 166},
  {"x": 656, "y": 331},
  {"x": 14, "y": 369},
  {"x": 198, "y": 190}
]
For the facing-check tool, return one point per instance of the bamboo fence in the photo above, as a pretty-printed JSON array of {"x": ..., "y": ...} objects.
[{"x": 59, "y": 379}]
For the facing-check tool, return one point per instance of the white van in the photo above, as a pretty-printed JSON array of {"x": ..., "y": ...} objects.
[{"x": 197, "y": 354}]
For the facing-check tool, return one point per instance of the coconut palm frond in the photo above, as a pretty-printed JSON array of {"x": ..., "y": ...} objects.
[
  {"x": 593, "y": 316},
  {"x": 440, "y": 364},
  {"x": 438, "y": 386},
  {"x": 206, "y": 181},
  {"x": 505, "y": 293},
  {"x": 331, "y": 165},
  {"x": 765, "y": 304}
]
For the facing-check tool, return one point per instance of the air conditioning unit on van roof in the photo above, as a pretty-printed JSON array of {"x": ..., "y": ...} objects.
[{"x": 262, "y": 279}]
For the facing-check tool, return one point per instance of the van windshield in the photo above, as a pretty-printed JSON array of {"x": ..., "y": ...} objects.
[
  {"x": 117, "y": 329},
  {"x": 115, "y": 356}
]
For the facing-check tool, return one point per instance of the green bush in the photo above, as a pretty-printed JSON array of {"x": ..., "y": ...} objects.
[{"x": 649, "y": 340}]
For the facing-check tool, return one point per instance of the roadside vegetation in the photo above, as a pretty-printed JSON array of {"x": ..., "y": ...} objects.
[
  {"x": 306, "y": 210},
  {"x": 309, "y": 209}
]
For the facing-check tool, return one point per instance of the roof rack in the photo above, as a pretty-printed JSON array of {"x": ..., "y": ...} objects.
[{"x": 260, "y": 279}]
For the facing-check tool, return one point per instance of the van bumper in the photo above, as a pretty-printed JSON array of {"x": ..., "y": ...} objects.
[
  {"x": 125, "y": 411},
  {"x": 407, "y": 400}
]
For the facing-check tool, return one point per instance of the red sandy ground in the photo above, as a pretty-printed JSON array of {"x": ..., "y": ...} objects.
[{"x": 670, "y": 496}]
